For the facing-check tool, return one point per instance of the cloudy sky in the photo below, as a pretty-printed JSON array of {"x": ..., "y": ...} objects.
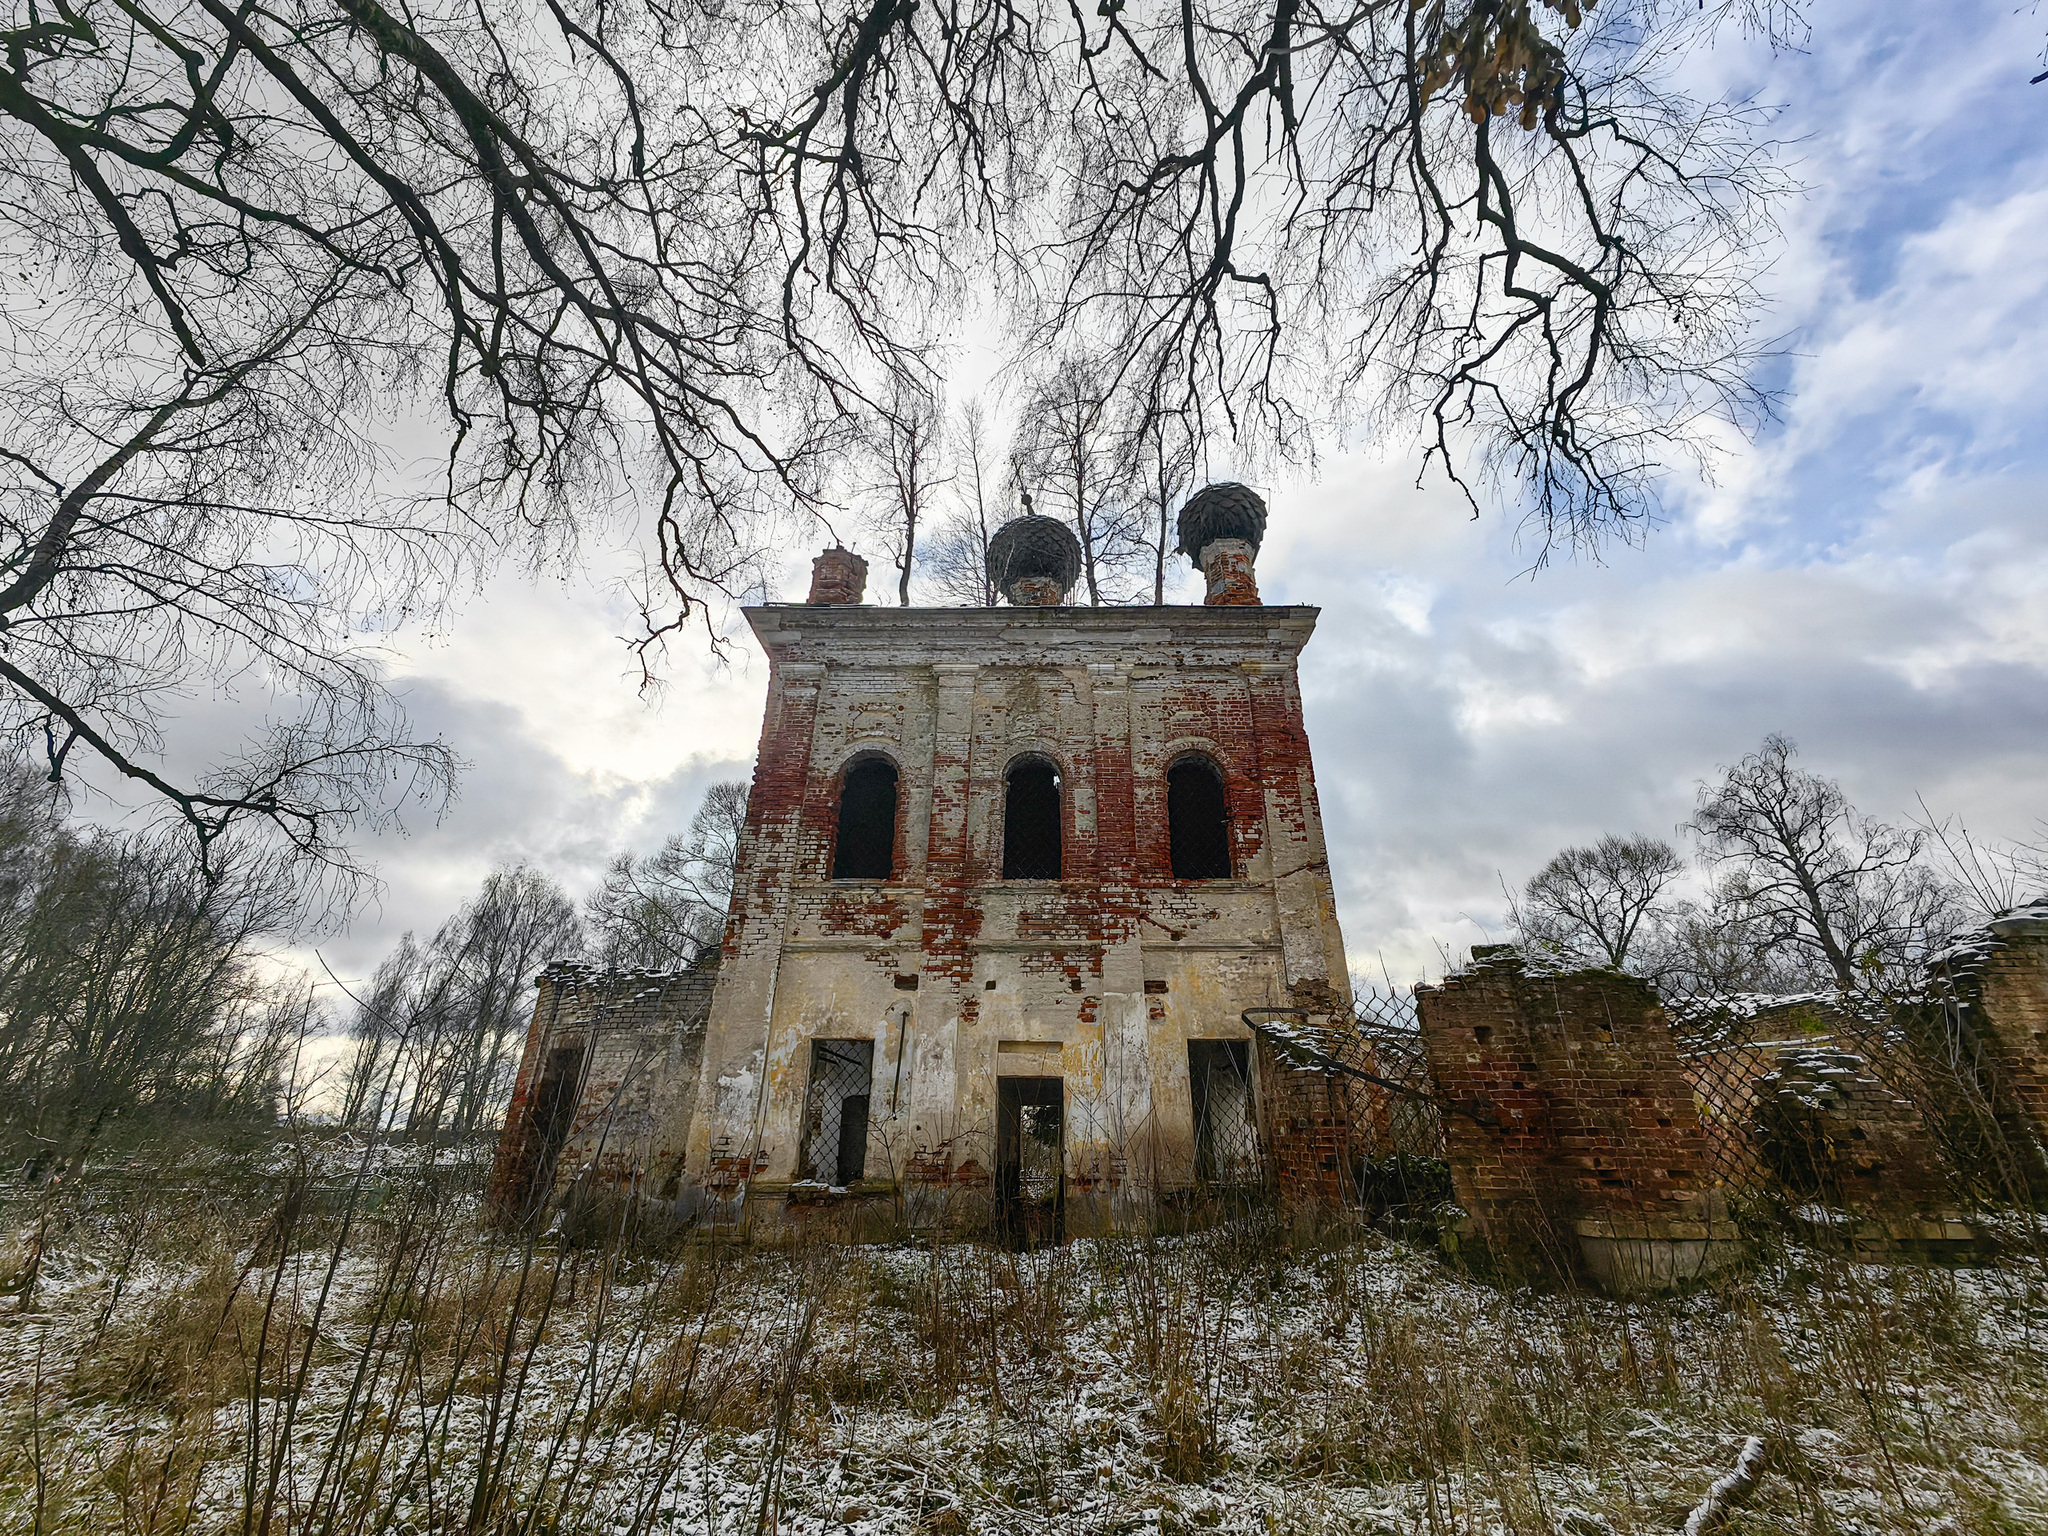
[{"x": 1871, "y": 578}]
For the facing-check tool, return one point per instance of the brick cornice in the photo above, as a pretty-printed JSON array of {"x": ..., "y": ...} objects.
[{"x": 797, "y": 635}]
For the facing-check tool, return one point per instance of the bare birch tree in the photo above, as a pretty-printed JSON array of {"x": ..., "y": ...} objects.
[
  {"x": 130, "y": 994},
  {"x": 957, "y": 561},
  {"x": 1593, "y": 905},
  {"x": 909, "y": 453},
  {"x": 1072, "y": 466},
  {"x": 437, "y": 1034},
  {"x": 663, "y": 910},
  {"x": 244, "y": 235}
]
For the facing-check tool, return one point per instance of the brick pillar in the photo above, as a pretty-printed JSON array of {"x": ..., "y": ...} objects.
[
  {"x": 513, "y": 1170},
  {"x": 779, "y": 840},
  {"x": 1594, "y": 1126},
  {"x": 1311, "y": 1118},
  {"x": 1122, "y": 1169},
  {"x": 1227, "y": 567},
  {"x": 941, "y": 1146},
  {"x": 1292, "y": 838},
  {"x": 1998, "y": 987},
  {"x": 838, "y": 576}
]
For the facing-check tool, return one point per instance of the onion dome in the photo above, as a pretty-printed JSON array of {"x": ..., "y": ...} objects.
[
  {"x": 1225, "y": 510},
  {"x": 1034, "y": 546}
]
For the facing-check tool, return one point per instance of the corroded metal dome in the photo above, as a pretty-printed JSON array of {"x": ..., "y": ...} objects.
[
  {"x": 1034, "y": 546},
  {"x": 1225, "y": 510}
]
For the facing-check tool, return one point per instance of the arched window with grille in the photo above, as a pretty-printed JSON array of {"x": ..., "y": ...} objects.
[
  {"x": 1031, "y": 820},
  {"x": 1197, "y": 820},
  {"x": 866, "y": 847}
]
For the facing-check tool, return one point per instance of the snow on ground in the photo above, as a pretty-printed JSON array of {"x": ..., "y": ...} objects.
[{"x": 390, "y": 1364}]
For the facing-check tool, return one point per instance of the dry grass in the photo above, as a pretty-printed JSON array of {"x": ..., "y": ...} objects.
[{"x": 299, "y": 1356}]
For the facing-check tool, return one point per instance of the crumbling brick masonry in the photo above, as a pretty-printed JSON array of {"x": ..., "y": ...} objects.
[
  {"x": 606, "y": 1085},
  {"x": 1594, "y": 1131}
]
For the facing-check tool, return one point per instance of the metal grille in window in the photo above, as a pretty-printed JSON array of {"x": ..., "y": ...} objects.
[
  {"x": 1198, "y": 825},
  {"x": 866, "y": 845},
  {"x": 1031, "y": 821},
  {"x": 835, "y": 1148},
  {"x": 1226, "y": 1129}
]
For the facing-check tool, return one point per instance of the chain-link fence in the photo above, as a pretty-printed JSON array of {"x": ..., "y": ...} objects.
[
  {"x": 1874, "y": 1096},
  {"x": 1878, "y": 1094},
  {"x": 1398, "y": 1161}
]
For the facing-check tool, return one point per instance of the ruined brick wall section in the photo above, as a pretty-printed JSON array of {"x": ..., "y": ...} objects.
[
  {"x": 514, "y": 1166},
  {"x": 1311, "y": 1121},
  {"x": 783, "y": 809},
  {"x": 2012, "y": 1003},
  {"x": 1594, "y": 1114},
  {"x": 1998, "y": 988},
  {"x": 1480, "y": 1054},
  {"x": 640, "y": 1033},
  {"x": 1827, "y": 1125}
]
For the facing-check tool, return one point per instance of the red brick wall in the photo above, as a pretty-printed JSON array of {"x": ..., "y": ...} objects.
[
  {"x": 1999, "y": 990},
  {"x": 1594, "y": 1114},
  {"x": 838, "y": 576},
  {"x": 1312, "y": 1122}
]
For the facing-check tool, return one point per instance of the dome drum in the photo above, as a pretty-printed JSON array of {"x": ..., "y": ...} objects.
[{"x": 1221, "y": 528}]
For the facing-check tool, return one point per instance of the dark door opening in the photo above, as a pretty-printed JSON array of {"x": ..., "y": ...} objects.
[
  {"x": 548, "y": 1123},
  {"x": 1226, "y": 1130},
  {"x": 1031, "y": 1117},
  {"x": 836, "y": 1112}
]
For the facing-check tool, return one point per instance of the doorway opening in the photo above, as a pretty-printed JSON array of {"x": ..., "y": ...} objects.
[
  {"x": 1031, "y": 1115},
  {"x": 548, "y": 1123},
  {"x": 835, "y": 1148},
  {"x": 1226, "y": 1127}
]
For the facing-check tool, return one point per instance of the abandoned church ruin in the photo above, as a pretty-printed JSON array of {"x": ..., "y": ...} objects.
[
  {"x": 1033, "y": 929},
  {"x": 1010, "y": 879}
]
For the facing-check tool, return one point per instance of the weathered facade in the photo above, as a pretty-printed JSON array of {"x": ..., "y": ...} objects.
[{"x": 1010, "y": 877}]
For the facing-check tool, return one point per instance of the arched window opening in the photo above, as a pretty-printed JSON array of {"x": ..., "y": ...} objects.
[
  {"x": 867, "y": 822},
  {"x": 1198, "y": 822},
  {"x": 1031, "y": 821}
]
